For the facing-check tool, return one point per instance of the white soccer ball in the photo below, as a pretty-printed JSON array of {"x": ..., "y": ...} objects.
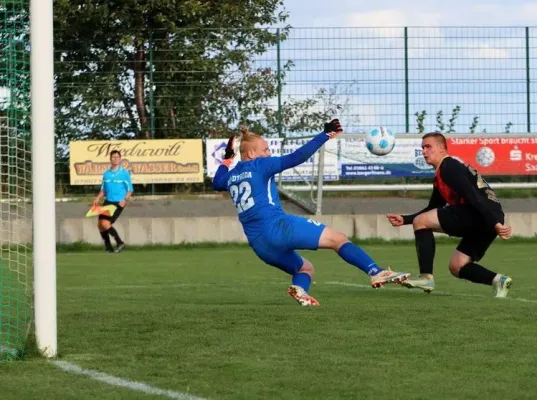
[
  {"x": 380, "y": 141},
  {"x": 485, "y": 156}
]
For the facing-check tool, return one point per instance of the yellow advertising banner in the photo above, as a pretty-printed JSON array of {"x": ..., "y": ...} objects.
[{"x": 149, "y": 161}]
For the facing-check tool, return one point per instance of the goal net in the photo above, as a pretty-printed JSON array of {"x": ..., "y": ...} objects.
[{"x": 15, "y": 181}]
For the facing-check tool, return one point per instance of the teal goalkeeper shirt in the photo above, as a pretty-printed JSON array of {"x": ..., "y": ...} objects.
[{"x": 116, "y": 184}]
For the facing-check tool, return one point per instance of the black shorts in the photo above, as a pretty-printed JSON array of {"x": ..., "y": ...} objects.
[
  {"x": 467, "y": 223},
  {"x": 112, "y": 218}
]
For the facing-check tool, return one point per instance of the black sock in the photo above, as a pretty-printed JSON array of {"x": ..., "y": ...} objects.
[
  {"x": 106, "y": 239},
  {"x": 115, "y": 235},
  {"x": 477, "y": 273},
  {"x": 425, "y": 248}
]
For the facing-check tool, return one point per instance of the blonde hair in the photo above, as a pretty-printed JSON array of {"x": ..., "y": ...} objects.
[{"x": 247, "y": 138}]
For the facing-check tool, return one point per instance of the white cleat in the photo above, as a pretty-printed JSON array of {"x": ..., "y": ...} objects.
[
  {"x": 418, "y": 282},
  {"x": 388, "y": 276},
  {"x": 301, "y": 296},
  {"x": 501, "y": 286}
]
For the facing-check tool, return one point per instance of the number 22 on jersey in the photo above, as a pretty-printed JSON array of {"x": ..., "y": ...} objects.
[{"x": 241, "y": 196}]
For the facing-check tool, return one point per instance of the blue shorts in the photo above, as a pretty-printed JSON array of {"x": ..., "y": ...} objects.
[{"x": 277, "y": 245}]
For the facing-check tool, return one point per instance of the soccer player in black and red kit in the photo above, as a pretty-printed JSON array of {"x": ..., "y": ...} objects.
[{"x": 462, "y": 205}]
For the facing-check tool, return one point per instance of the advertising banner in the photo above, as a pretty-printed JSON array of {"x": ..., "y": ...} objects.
[
  {"x": 149, "y": 161},
  {"x": 405, "y": 159},
  {"x": 497, "y": 155}
]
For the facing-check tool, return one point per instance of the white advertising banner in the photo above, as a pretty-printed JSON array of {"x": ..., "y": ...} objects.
[{"x": 405, "y": 159}]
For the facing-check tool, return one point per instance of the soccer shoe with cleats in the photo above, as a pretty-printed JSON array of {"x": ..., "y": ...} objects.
[
  {"x": 501, "y": 286},
  {"x": 420, "y": 282},
  {"x": 120, "y": 248},
  {"x": 301, "y": 296},
  {"x": 388, "y": 276}
]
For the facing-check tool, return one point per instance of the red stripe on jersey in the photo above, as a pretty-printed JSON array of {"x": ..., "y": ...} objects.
[{"x": 446, "y": 192}]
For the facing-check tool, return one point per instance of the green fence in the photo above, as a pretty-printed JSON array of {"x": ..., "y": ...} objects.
[{"x": 198, "y": 83}]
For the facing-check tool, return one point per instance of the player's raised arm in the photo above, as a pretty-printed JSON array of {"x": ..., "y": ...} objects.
[
  {"x": 221, "y": 175},
  {"x": 302, "y": 154}
]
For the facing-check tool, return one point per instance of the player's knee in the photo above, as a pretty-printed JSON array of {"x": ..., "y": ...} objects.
[
  {"x": 457, "y": 262},
  {"x": 339, "y": 239},
  {"x": 332, "y": 239},
  {"x": 454, "y": 268},
  {"x": 307, "y": 268},
  {"x": 420, "y": 222}
]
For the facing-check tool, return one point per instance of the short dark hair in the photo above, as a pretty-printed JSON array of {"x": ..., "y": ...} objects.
[
  {"x": 438, "y": 136},
  {"x": 115, "y": 152}
]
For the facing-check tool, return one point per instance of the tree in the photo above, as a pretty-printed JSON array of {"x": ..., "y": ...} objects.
[
  {"x": 106, "y": 87},
  {"x": 309, "y": 114}
]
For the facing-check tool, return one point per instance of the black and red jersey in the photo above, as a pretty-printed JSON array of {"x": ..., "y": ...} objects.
[
  {"x": 448, "y": 194},
  {"x": 457, "y": 183}
]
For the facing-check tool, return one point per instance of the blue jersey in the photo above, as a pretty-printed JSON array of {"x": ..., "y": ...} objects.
[
  {"x": 253, "y": 189},
  {"x": 116, "y": 184}
]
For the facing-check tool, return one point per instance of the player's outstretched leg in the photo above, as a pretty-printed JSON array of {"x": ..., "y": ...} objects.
[
  {"x": 462, "y": 266},
  {"x": 354, "y": 255},
  {"x": 300, "y": 284}
]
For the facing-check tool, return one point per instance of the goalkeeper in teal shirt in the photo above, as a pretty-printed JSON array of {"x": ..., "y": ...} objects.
[{"x": 116, "y": 189}]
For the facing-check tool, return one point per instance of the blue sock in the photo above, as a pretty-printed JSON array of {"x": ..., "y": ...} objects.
[
  {"x": 303, "y": 280},
  {"x": 359, "y": 258}
]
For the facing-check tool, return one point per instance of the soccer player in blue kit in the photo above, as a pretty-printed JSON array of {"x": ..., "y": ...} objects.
[{"x": 274, "y": 235}]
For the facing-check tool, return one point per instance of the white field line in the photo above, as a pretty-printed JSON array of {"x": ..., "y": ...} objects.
[
  {"x": 125, "y": 383},
  {"x": 437, "y": 292},
  {"x": 283, "y": 284},
  {"x": 154, "y": 286}
]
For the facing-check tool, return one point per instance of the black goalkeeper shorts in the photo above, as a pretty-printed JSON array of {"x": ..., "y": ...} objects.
[
  {"x": 112, "y": 218},
  {"x": 467, "y": 223}
]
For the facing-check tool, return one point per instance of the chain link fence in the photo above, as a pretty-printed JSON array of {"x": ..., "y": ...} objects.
[{"x": 205, "y": 83}]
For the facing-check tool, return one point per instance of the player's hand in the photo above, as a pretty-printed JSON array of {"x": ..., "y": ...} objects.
[
  {"x": 333, "y": 128},
  {"x": 96, "y": 201},
  {"x": 503, "y": 231},
  {"x": 123, "y": 203},
  {"x": 395, "y": 219},
  {"x": 230, "y": 151}
]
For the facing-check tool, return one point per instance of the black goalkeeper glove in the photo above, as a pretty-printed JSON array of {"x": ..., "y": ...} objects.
[
  {"x": 333, "y": 127},
  {"x": 230, "y": 152}
]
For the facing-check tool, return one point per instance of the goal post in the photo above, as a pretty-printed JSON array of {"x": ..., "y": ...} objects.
[
  {"x": 43, "y": 178},
  {"x": 27, "y": 182}
]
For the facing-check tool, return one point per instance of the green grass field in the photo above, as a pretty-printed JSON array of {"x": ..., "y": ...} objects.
[{"x": 217, "y": 323}]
